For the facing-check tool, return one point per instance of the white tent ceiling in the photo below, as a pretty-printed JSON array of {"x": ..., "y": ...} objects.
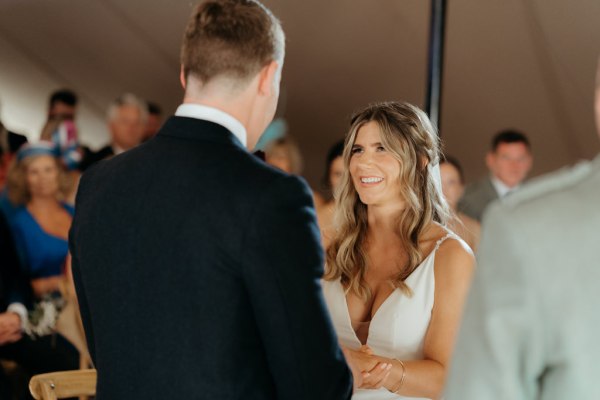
[{"x": 525, "y": 64}]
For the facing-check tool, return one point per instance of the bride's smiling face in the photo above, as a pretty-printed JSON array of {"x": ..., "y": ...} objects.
[{"x": 374, "y": 170}]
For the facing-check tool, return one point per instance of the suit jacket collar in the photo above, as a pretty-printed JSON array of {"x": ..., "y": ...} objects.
[
  {"x": 199, "y": 130},
  {"x": 500, "y": 188},
  {"x": 489, "y": 188},
  {"x": 212, "y": 114}
]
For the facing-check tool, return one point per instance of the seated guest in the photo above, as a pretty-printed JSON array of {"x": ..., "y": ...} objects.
[
  {"x": 154, "y": 121},
  {"x": 396, "y": 278},
  {"x": 283, "y": 153},
  {"x": 34, "y": 356},
  {"x": 127, "y": 117},
  {"x": 5, "y": 155},
  {"x": 453, "y": 186},
  {"x": 63, "y": 133},
  {"x": 63, "y": 105},
  {"x": 10, "y": 141},
  {"x": 9, "y": 144},
  {"x": 334, "y": 168},
  {"x": 12, "y": 310},
  {"x": 37, "y": 185},
  {"x": 509, "y": 161}
]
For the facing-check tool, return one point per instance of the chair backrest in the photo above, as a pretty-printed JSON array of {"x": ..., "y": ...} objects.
[{"x": 60, "y": 385}]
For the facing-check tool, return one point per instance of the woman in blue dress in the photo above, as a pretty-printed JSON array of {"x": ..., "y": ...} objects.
[
  {"x": 40, "y": 224},
  {"x": 37, "y": 185}
]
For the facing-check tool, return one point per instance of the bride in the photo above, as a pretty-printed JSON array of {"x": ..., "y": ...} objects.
[{"x": 396, "y": 278}]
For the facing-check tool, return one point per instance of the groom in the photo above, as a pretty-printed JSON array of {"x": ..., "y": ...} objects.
[{"x": 197, "y": 266}]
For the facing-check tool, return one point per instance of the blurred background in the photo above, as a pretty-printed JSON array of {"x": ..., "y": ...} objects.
[{"x": 523, "y": 64}]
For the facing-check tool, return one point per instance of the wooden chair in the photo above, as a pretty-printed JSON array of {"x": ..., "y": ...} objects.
[{"x": 60, "y": 385}]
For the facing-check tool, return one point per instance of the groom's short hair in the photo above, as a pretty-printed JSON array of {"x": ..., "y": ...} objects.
[{"x": 233, "y": 38}]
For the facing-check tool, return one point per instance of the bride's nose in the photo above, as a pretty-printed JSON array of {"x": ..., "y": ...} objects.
[{"x": 366, "y": 159}]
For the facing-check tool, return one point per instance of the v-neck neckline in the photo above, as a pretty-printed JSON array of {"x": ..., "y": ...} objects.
[
  {"x": 39, "y": 226},
  {"x": 374, "y": 316}
]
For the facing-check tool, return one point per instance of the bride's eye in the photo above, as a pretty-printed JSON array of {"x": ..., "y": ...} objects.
[{"x": 356, "y": 149}]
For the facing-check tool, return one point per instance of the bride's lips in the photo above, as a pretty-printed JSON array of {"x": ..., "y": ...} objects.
[{"x": 368, "y": 181}]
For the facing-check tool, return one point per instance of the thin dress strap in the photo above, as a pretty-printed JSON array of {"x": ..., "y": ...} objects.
[{"x": 442, "y": 240}]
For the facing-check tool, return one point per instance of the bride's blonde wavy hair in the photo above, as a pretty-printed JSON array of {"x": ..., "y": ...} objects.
[{"x": 408, "y": 135}]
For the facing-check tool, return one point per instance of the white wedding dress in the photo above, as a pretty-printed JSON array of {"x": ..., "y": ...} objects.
[{"x": 398, "y": 328}]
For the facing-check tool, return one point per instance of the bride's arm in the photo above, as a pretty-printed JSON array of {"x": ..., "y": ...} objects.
[{"x": 425, "y": 378}]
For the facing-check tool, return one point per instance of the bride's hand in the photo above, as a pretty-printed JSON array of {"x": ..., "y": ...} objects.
[
  {"x": 363, "y": 361},
  {"x": 356, "y": 372},
  {"x": 373, "y": 372},
  {"x": 375, "y": 378}
]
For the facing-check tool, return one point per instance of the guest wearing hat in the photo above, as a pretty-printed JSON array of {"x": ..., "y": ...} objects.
[
  {"x": 37, "y": 186},
  {"x": 34, "y": 279},
  {"x": 63, "y": 133}
]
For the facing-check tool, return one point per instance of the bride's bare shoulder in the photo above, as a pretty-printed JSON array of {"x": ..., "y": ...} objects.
[{"x": 454, "y": 260}]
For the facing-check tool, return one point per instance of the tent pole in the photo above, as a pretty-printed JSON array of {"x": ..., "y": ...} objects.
[{"x": 436, "y": 61}]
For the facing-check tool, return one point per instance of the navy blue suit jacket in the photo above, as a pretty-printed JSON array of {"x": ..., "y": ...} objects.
[{"x": 197, "y": 269}]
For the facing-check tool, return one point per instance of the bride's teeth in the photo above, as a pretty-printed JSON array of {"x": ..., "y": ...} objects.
[{"x": 370, "y": 180}]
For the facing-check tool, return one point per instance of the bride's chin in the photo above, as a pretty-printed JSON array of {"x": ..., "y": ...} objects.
[{"x": 367, "y": 201}]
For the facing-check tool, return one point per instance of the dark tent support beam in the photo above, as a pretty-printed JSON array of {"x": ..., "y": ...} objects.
[{"x": 433, "y": 102}]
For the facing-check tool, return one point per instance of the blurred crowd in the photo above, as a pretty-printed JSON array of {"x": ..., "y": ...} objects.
[
  {"x": 40, "y": 329},
  {"x": 509, "y": 161}
]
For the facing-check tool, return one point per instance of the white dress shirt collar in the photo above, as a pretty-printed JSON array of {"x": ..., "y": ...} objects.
[
  {"x": 501, "y": 188},
  {"x": 117, "y": 149},
  {"x": 217, "y": 116}
]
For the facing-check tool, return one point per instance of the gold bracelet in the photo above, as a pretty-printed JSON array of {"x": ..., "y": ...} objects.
[{"x": 397, "y": 389}]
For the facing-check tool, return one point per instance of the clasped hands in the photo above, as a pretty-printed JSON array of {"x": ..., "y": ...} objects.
[{"x": 371, "y": 371}]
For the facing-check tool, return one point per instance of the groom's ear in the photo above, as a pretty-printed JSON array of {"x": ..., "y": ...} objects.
[
  {"x": 182, "y": 78},
  {"x": 267, "y": 76}
]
